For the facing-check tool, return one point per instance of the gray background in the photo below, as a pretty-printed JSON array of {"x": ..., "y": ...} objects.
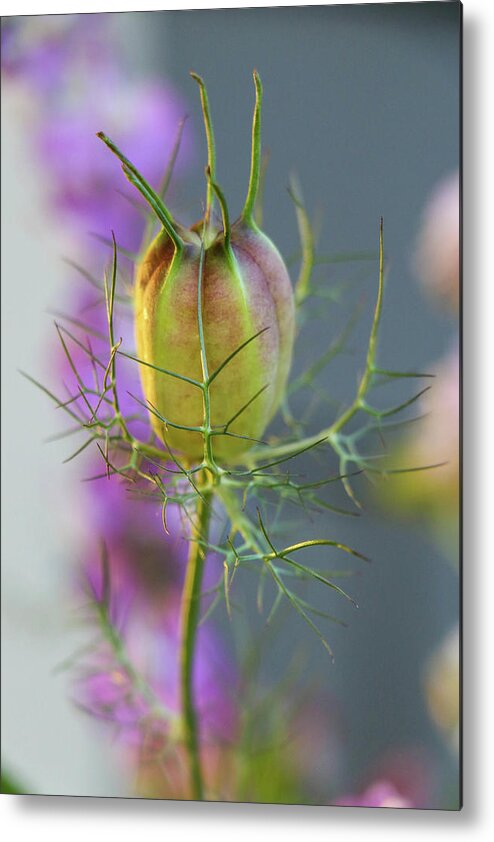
[{"x": 363, "y": 103}]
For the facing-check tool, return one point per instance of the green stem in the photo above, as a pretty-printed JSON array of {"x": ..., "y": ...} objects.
[{"x": 190, "y": 614}]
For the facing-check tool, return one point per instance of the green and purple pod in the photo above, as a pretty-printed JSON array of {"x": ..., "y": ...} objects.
[{"x": 236, "y": 343}]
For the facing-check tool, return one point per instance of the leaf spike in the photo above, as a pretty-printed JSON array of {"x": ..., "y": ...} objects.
[
  {"x": 379, "y": 303},
  {"x": 146, "y": 191},
  {"x": 224, "y": 207},
  {"x": 208, "y": 126},
  {"x": 255, "y": 166}
]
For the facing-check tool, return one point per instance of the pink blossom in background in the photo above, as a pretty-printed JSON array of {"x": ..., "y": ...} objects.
[
  {"x": 437, "y": 258},
  {"x": 411, "y": 770},
  {"x": 381, "y": 793},
  {"x": 432, "y": 440},
  {"x": 436, "y": 436}
]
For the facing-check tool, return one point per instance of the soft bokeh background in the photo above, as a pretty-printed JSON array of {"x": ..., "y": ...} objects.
[{"x": 363, "y": 103}]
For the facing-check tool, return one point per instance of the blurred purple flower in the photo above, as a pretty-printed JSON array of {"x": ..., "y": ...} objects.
[
  {"x": 86, "y": 182},
  {"x": 37, "y": 49},
  {"x": 74, "y": 69},
  {"x": 75, "y": 73},
  {"x": 79, "y": 85}
]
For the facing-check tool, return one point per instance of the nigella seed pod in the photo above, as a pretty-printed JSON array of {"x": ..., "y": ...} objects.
[
  {"x": 246, "y": 294},
  {"x": 214, "y": 321}
]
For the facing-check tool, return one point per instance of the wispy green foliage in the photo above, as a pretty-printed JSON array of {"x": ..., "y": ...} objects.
[
  {"x": 96, "y": 409},
  {"x": 266, "y": 470}
]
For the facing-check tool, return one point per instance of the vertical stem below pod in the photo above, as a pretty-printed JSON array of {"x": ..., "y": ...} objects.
[{"x": 190, "y": 615}]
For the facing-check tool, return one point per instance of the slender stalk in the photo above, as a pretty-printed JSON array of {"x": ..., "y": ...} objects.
[{"x": 190, "y": 615}]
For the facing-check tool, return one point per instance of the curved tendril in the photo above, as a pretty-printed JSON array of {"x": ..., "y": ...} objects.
[{"x": 208, "y": 126}]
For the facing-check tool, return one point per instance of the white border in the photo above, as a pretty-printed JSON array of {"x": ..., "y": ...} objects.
[{"x": 31, "y": 7}]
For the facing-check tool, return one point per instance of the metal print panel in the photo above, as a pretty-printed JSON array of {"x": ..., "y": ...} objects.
[{"x": 231, "y": 406}]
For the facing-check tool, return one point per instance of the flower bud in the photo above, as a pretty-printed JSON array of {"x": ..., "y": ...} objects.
[
  {"x": 215, "y": 368},
  {"x": 245, "y": 290}
]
